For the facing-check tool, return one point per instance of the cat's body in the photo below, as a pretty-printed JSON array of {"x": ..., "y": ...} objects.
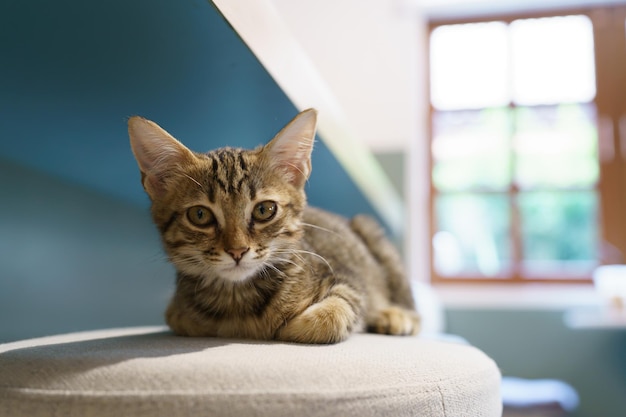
[{"x": 253, "y": 260}]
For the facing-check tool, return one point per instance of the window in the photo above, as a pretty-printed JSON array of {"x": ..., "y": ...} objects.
[{"x": 528, "y": 140}]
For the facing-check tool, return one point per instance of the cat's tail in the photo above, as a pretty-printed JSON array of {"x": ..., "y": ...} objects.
[{"x": 373, "y": 235}]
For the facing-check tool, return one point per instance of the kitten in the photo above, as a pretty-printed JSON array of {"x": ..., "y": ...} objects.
[{"x": 253, "y": 260}]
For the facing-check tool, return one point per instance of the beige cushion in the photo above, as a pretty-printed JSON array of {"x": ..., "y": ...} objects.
[{"x": 150, "y": 372}]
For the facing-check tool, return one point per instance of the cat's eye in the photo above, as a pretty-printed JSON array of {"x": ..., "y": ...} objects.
[
  {"x": 264, "y": 211},
  {"x": 200, "y": 216}
]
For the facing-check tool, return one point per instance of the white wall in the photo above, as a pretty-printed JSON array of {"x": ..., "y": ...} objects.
[
  {"x": 370, "y": 52},
  {"x": 367, "y": 52}
]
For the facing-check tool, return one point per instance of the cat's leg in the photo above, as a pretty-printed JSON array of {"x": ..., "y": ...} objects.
[
  {"x": 394, "y": 320},
  {"x": 330, "y": 320},
  {"x": 386, "y": 254},
  {"x": 396, "y": 313},
  {"x": 182, "y": 320}
]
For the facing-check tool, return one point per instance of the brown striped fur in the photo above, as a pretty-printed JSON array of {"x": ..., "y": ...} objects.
[{"x": 253, "y": 260}]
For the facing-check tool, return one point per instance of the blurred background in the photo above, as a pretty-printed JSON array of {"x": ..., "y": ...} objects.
[{"x": 499, "y": 127}]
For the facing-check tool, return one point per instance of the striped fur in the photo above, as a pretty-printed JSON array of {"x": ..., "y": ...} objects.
[{"x": 253, "y": 260}]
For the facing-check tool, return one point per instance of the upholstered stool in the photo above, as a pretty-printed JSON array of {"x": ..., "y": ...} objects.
[{"x": 150, "y": 372}]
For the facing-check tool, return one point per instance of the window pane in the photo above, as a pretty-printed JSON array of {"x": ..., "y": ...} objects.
[
  {"x": 471, "y": 149},
  {"x": 472, "y": 234},
  {"x": 556, "y": 146},
  {"x": 468, "y": 66},
  {"x": 559, "y": 232},
  {"x": 553, "y": 60}
]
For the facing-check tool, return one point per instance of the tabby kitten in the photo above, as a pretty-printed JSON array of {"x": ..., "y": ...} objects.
[{"x": 253, "y": 260}]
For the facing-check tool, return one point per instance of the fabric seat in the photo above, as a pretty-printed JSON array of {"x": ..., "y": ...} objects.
[{"x": 150, "y": 372}]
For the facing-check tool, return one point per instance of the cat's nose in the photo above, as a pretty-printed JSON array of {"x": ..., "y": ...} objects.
[{"x": 237, "y": 253}]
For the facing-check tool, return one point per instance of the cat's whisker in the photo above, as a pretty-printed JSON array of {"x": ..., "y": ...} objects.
[
  {"x": 268, "y": 265},
  {"x": 296, "y": 167},
  {"x": 306, "y": 252},
  {"x": 320, "y": 228},
  {"x": 194, "y": 180},
  {"x": 288, "y": 261},
  {"x": 288, "y": 252},
  {"x": 263, "y": 272},
  {"x": 267, "y": 274},
  {"x": 156, "y": 256},
  {"x": 191, "y": 264}
]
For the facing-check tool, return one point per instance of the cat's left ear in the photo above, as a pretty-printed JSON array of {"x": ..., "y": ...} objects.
[{"x": 290, "y": 150}]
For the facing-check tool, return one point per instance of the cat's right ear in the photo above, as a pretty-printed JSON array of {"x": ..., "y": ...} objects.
[{"x": 158, "y": 154}]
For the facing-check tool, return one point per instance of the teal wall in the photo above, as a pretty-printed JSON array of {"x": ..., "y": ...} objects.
[
  {"x": 74, "y": 259},
  {"x": 77, "y": 250},
  {"x": 393, "y": 164},
  {"x": 536, "y": 344},
  {"x": 73, "y": 71}
]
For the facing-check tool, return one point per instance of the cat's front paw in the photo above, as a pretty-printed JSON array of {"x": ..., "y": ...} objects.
[
  {"x": 395, "y": 321},
  {"x": 329, "y": 321}
]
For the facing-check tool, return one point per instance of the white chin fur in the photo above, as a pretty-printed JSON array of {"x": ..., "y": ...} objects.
[
  {"x": 238, "y": 273},
  {"x": 226, "y": 269}
]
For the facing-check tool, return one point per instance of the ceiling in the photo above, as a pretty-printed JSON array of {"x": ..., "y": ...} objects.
[{"x": 464, "y": 8}]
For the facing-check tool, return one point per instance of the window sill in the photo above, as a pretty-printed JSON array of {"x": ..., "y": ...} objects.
[
  {"x": 608, "y": 318},
  {"x": 518, "y": 297}
]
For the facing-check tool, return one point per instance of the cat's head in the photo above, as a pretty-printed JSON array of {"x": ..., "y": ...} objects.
[{"x": 227, "y": 213}]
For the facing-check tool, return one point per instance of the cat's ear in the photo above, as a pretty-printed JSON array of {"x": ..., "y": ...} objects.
[
  {"x": 158, "y": 154},
  {"x": 290, "y": 150}
]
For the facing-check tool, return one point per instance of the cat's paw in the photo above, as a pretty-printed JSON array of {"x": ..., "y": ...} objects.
[
  {"x": 395, "y": 321},
  {"x": 329, "y": 321}
]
